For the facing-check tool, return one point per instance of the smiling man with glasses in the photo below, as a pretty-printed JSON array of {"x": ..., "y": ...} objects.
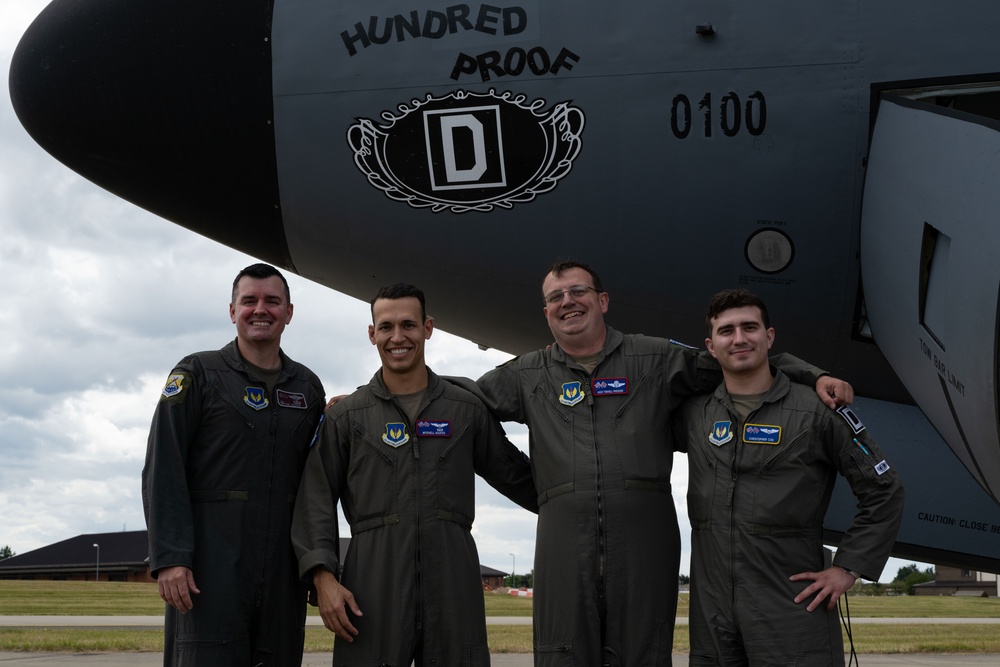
[{"x": 597, "y": 404}]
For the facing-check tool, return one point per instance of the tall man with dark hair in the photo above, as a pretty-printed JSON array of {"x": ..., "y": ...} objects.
[
  {"x": 764, "y": 454},
  {"x": 598, "y": 404},
  {"x": 229, "y": 437},
  {"x": 401, "y": 455}
]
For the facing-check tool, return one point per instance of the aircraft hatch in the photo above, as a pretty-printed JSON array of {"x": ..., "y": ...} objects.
[{"x": 930, "y": 235}]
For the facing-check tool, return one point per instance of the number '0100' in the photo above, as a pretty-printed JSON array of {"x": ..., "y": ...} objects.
[{"x": 732, "y": 116}]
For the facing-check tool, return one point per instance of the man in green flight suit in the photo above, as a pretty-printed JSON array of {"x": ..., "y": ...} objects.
[
  {"x": 226, "y": 448},
  {"x": 764, "y": 455},
  {"x": 597, "y": 404},
  {"x": 401, "y": 454}
]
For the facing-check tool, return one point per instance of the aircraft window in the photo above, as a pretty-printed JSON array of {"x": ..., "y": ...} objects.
[{"x": 935, "y": 283}]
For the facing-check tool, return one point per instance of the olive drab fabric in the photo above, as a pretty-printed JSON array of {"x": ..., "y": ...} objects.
[
  {"x": 223, "y": 463},
  {"x": 407, "y": 490},
  {"x": 758, "y": 491},
  {"x": 601, "y": 452}
]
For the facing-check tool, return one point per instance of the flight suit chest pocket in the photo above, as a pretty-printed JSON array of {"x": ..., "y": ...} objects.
[
  {"x": 454, "y": 470},
  {"x": 642, "y": 432},
  {"x": 226, "y": 405},
  {"x": 553, "y": 427},
  {"x": 375, "y": 473}
]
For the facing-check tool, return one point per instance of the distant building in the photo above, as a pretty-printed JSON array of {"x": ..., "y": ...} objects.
[
  {"x": 492, "y": 578},
  {"x": 122, "y": 557},
  {"x": 961, "y": 582},
  {"x": 117, "y": 557}
]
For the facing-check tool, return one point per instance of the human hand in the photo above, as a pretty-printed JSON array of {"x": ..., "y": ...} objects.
[
  {"x": 333, "y": 598},
  {"x": 333, "y": 401},
  {"x": 834, "y": 392},
  {"x": 176, "y": 584},
  {"x": 831, "y": 582}
]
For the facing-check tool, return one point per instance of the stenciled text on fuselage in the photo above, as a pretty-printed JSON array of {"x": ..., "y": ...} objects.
[{"x": 431, "y": 24}]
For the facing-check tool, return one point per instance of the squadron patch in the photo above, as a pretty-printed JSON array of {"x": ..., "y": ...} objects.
[
  {"x": 289, "y": 399},
  {"x": 431, "y": 428},
  {"x": 572, "y": 393},
  {"x": 609, "y": 386},
  {"x": 319, "y": 425},
  {"x": 255, "y": 398},
  {"x": 882, "y": 467},
  {"x": 174, "y": 385},
  {"x": 395, "y": 434},
  {"x": 762, "y": 434},
  {"x": 851, "y": 418},
  {"x": 721, "y": 433}
]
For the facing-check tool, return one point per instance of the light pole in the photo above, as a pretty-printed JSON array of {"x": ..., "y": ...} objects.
[
  {"x": 97, "y": 572},
  {"x": 512, "y": 562}
]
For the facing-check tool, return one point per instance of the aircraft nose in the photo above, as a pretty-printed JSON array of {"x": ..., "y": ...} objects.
[{"x": 165, "y": 103}]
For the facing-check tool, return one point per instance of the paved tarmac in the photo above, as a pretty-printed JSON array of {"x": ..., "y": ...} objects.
[
  {"x": 498, "y": 660},
  {"x": 157, "y": 621}
]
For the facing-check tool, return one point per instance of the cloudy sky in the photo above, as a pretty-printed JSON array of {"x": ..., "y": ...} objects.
[{"x": 106, "y": 298}]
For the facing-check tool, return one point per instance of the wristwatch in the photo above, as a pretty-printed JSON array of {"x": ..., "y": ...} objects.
[{"x": 856, "y": 575}]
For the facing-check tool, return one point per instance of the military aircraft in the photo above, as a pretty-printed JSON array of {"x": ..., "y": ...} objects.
[{"x": 840, "y": 159}]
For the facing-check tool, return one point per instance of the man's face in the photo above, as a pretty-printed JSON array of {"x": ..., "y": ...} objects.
[
  {"x": 739, "y": 340},
  {"x": 399, "y": 332},
  {"x": 260, "y": 310},
  {"x": 570, "y": 317}
]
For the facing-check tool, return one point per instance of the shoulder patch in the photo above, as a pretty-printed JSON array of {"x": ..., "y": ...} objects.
[
  {"x": 175, "y": 385},
  {"x": 851, "y": 418},
  {"x": 319, "y": 425}
]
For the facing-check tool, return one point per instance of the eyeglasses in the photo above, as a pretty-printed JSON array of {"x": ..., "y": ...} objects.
[{"x": 576, "y": 291}]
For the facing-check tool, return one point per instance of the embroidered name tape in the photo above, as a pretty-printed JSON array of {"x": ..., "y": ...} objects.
[
  {"x": 289, "y": 399},
  {"x": 609, "y": 386},
  {"x": 432, "y": 428},
  {"x": 762, "y": 434}
]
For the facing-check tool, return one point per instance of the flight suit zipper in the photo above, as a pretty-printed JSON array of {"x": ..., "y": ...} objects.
[{"x": 418, "y": 617}]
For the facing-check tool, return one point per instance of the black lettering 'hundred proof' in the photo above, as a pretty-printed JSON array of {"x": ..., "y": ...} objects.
[{"x": 489, "y": 19}]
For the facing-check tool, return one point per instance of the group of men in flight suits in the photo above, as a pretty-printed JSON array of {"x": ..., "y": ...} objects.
[{"x": 605, "y": 410}]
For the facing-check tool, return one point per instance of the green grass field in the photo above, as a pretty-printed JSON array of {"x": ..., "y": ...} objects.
[{"x": 29, "y": 598}]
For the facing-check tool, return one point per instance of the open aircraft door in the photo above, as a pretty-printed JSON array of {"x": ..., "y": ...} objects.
[{"x": 930, "y": 260}]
